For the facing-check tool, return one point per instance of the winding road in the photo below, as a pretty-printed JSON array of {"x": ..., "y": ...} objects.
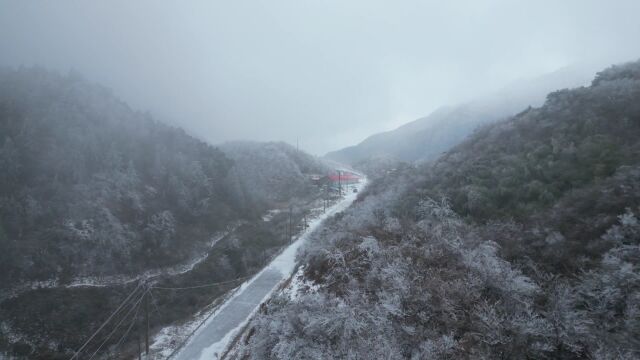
[{"x": 214, "y": 336}]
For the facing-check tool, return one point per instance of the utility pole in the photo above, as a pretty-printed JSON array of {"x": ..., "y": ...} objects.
[
  {"x": 290, "y": 224},
  {"x": 139, "y": 341},
  {"x": 146, "y": 315}
]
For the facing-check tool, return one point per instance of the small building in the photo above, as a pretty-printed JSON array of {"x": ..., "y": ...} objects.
[{"x": 344, "y": 177}]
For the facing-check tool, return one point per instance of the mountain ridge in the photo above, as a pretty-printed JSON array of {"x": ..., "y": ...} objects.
[{"x": 425, "y": 138}]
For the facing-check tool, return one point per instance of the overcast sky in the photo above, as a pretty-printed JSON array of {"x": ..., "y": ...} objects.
[{"x": 330, "y": 72}]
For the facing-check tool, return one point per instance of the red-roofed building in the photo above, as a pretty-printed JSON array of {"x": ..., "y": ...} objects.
[{"x": 344, "y": 177}]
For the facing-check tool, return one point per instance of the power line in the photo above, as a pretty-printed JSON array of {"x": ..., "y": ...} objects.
[
  {"x": 154, "y": 301},
  {"x": 106, "y": 322},
  {"x": 201, "y": 286},
  {"x": 211, "y": 313},
  {"x": 138, "y": 299},
  {"x": 135, "y": 305},
  {"x": 133, "y": 321}
]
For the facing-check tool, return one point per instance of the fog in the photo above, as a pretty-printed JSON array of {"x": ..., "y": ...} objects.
[{"x": 326, "y": 73}]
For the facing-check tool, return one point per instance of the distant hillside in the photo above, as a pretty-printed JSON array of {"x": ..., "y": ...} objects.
[
  {"x": 426, "y": 138},
  {"x": 522, "y": 242},
  {"x": 268, "y": 173}
]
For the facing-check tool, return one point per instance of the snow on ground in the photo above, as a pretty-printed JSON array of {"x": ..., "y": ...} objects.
[
  {"x": 211, "y": 339},
  {"x": 270, "y": 214},
  {"x": 299, "y": 284},
  {"x": 170, "y": 338}
]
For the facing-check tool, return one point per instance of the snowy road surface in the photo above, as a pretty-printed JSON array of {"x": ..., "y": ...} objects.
[{"x": 212, "y": 338}]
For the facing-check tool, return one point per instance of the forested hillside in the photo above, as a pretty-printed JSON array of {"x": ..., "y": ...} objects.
[
  {"x": 521, "y": 242},
  {"x": 89, "y": 186},
  {"x": 265, "y": 174}
]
